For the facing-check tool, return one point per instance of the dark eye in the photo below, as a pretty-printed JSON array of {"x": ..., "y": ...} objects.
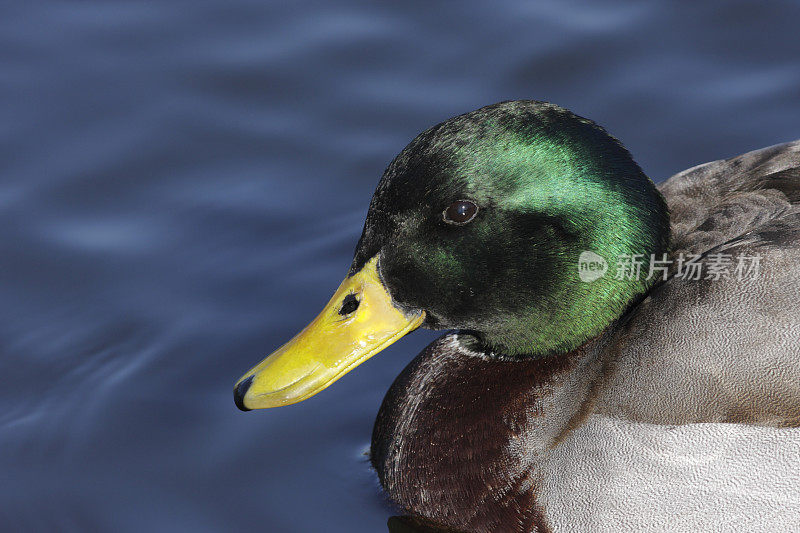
[{"x": 460, "y": 212}]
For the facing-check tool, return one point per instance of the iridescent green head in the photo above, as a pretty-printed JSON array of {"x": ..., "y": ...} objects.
[{"x": 480, "y": 222}]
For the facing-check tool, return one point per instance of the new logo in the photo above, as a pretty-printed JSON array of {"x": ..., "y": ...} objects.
[{"x": 591, "y": 266}]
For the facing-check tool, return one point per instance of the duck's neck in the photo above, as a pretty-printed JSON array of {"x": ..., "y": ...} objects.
[{"x": 459, "y": 434}]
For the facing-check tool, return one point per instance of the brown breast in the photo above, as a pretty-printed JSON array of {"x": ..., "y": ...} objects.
[{"x": 452, "y": 441}]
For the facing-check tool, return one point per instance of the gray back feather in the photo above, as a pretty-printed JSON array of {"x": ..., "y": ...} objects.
[{"x": 719, "y": 350}]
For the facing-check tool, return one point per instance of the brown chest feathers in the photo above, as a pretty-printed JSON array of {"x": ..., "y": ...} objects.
[{"x": 458, "y": 436}]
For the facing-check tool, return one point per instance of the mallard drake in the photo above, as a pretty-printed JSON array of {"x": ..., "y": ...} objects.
[{"x": 597, "y": 320}]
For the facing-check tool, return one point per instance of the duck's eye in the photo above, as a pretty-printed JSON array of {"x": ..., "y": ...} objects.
[
  {"x": 460, "y": 212},
  {"x": 349, "y": 305}
]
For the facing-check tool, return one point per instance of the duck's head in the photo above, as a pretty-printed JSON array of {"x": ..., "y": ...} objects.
[{"x": 479, "y": 224}]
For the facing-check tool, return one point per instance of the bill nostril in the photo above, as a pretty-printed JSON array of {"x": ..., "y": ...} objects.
[
  {"x": 240, "y": 390},
  {"x": 349, "y": 305}
]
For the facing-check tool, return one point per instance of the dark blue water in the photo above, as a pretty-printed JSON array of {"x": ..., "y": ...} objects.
[{"x": 182, "y": 184}]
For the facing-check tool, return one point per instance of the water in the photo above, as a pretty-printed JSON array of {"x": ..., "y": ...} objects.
[{"x": 182, "y": 186}]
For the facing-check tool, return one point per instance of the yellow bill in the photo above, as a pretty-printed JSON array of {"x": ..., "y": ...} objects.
[{"x": 358, "y": 322}]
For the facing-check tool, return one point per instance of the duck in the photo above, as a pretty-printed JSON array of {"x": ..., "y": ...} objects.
[{"x": 618, "y": 356}]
